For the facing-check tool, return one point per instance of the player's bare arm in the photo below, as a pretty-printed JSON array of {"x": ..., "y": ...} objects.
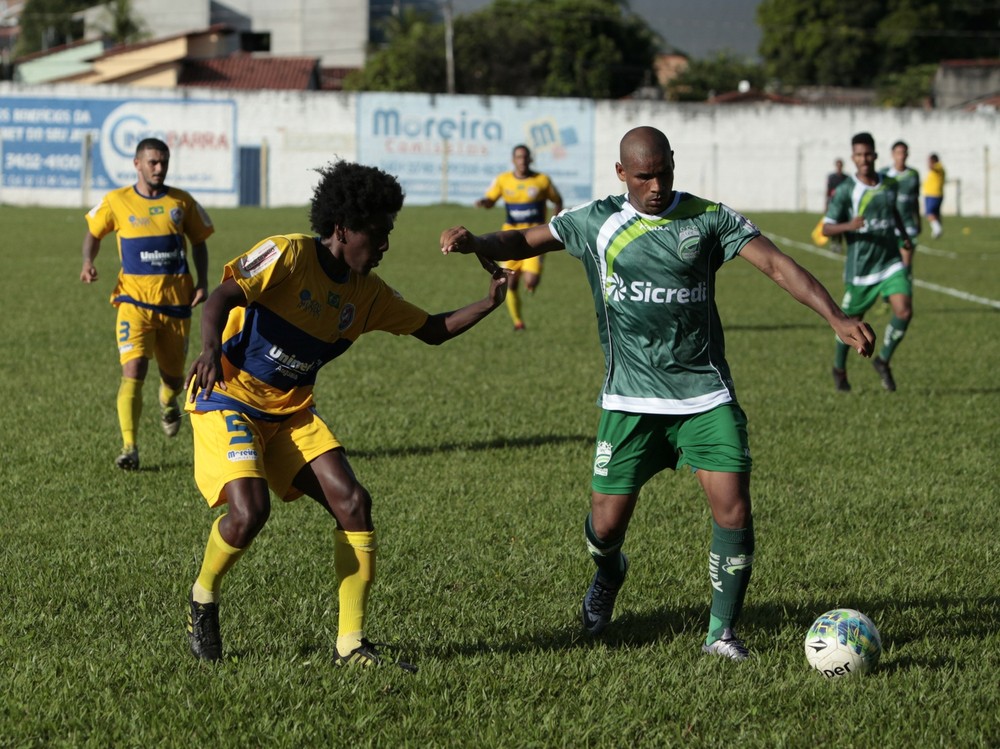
[
  {"x": 206, "y": 370},
  {"x": 447, "y": 325},
  {"x": 805, "y": 289},
  {"x": 502, "y": 245},
  {"x": 855, "y": 224},
  {"x": 199, "y": 254},
  {"x": 91, "y": 246}
]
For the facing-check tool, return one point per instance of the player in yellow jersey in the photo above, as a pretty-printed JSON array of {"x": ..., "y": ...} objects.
[
  {"x": 155, "y": 292},
  {"x": 288, "y": 306},
  {"x": 934, "y": 193},
  {"x": 526, "y": 195}
]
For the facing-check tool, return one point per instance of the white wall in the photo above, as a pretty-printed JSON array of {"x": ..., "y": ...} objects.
[{"x": 752, "y": 157}]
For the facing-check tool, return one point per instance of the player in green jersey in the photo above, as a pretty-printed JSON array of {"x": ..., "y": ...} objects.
[
  {"x": 907, "y": 195},
  {"x": 864, "y": 211},
  {"x": 668, "y": 399}
]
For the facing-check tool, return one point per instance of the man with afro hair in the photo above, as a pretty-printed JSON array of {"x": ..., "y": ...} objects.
[{"x": 285, "y": 308}]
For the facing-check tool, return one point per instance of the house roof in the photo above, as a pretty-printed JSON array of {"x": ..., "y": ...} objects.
[{"x": 245, "y": 72}]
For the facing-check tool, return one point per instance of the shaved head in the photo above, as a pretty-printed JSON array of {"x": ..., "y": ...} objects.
[
  {"x": 647, "y": 169},
  {"x": 642, "y": 144}
]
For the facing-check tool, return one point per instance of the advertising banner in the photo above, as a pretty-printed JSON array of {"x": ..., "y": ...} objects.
[
  {"x": 449, "y": 148},
  {"x": 42, "y": 141}
]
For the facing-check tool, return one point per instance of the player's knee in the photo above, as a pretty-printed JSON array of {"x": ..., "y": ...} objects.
[
  {"x": 353, "y": 507},
  {"x": 246, "y": 519}
]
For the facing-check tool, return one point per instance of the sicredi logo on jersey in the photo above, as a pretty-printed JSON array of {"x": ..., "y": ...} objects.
[{"x": 646, "y": 293}]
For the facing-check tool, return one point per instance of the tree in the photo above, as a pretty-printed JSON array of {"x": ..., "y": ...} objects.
[
  {"x": 703, "y": 78},
  {"x": 120, "y": 23},
  {"x": 828, "y": 42},
  {"x": 585, "y": 48},
  {"x": 48, "y": 23}
]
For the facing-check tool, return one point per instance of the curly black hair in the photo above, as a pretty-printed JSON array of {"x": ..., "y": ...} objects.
[{"x": 352, "y": 196}]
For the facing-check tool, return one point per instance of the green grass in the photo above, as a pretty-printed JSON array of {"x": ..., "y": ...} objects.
[{"x": 477, "y": 455}]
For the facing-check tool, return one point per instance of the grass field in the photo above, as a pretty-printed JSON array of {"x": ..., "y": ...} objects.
[{"x": 478, "y": 456}]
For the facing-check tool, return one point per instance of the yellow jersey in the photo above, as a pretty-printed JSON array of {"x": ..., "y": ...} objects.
[
  {"x": 151, "y": 246},
  {"x": 525, "y": 198},
  {"x": 297, "y": 319},
  {"x": 934, "y": 181}
]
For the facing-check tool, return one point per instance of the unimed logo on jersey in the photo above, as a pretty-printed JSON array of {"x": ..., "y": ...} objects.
[{"x": 645, "y": 292}]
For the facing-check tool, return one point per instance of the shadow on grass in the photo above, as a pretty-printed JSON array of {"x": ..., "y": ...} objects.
[{"x": 480, "y": 446}]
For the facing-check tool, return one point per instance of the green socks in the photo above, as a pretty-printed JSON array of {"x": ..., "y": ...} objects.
[
  {"x": 607, "y": 554},
  {"x": 730, "y": 562}
]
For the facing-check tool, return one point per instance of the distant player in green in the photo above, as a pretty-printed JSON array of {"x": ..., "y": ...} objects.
[
  {"x": 668, "y": 398},
  {"x": 863, "y": 210},
  {"x": 907, "y": 195}
]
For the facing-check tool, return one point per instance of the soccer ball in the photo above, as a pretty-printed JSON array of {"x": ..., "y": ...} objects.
[{"x": 843, "y": 642}]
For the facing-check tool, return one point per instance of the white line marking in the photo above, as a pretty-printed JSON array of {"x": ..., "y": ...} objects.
[{"x": 958, "y": 294}]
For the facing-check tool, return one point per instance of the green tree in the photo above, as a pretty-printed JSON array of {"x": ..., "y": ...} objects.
[
  {"x": 586, "y": 48},
  {"x": 48, "y": 23},
  {"x": 120, "y": 23},
  {"x": 830, "y": 42},
  {"x": 714, "y": 75}
]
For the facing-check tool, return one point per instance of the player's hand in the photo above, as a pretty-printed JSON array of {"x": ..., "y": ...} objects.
[
  {"x": 857, "y": 334},
  {"x": 856, "y": 224},
  {"x": 205, "y": 374},
  {"x": 458, "y": 239},
  {"x": 89, "y": 273},
  {"x": 200, "y": 295}
]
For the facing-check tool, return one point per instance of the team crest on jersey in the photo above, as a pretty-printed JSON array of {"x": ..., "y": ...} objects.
[
  {"x": 257, "y": 260},
  {"x": 689, "y": 243},
  {"x": 333, "y": 300},
  {"x": 346, "y": 317},
  {"x": 602, "y": 457},
  {"x": 310, "y": 305},
  {"x": 176, "y": 215}
]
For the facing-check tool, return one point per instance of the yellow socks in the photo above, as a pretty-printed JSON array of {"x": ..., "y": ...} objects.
[
  {"x": 354, "y": 562},
  {"x": 513, "y": 302},
  {"x": 129, "y": 409},
  {"x": 168, "y": 396},
  {"x": 219, "y": 557}
]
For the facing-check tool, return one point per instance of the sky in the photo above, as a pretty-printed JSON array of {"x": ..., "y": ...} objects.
[{"x": 699, "y": 28}]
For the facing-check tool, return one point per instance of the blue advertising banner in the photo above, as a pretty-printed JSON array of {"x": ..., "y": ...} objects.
[
  {"x": 449, "y": 149},
  {"x": 42, "y": 141}
]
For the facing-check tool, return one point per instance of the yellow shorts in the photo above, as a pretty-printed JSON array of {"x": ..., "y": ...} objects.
[
  {"x": 528, "y": 265},
  {"x": 229, "y": 445},
  {"x": 144, "y": 333}
]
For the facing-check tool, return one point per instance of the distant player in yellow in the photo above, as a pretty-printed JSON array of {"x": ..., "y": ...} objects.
[
  {"x": 526, "y": 195},
  {"x": 155, "y": 292},
  {"x": 934, "y": 193},
  {"x": 284, "y": 309}
]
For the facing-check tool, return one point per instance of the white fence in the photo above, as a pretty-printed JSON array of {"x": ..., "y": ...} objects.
[{"x": 447, "y": 148}]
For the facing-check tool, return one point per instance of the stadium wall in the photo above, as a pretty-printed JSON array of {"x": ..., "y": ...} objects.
[{"x": 66, "y": 145}]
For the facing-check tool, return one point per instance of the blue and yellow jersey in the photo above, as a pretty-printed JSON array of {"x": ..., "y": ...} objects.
[
  {"x": 934, "y": 181},
  {"x": 297, "y": 319},
  {"x": 525, "y": 199},
  {"x": 151, "y": 246}
]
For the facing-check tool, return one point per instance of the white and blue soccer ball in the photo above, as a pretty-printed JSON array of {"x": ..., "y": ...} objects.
[{"x": 843, "y": 642}]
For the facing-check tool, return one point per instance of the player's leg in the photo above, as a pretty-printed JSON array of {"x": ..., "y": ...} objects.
[
  {"x": 898, "y": 289},
  {"x": 857, "y": 300},
  {"x": 715, "y": 444},
  {"x": 513, "y": 299},
  {"x": 629, "y": 450},
  {"x": 229, "y": 469},
  {"x": 171, "y": 351},
  {"x": 134, "y": 347}
]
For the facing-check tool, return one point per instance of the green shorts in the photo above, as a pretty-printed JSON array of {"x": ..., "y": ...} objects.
[
  {"x": 632, "y": 448},
  {"x": 859, "y": 299}
]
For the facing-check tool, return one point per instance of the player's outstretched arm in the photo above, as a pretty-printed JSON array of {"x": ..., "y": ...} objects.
[
  {"x": 206, "y": 370},
  {"x": 804, "y": 288},
  {"x": 199, "y": 254},
  {"x": 502, "y": 245},
  {"x": 446, "y": 325}
]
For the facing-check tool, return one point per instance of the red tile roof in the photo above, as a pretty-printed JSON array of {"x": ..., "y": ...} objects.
[{"x": 244, "y": 72}]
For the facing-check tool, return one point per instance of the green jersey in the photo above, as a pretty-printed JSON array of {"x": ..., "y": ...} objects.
[
  {"x": 873, "y": 251},
  {"x": 907, "y": 197},
  {"x": 653, "y": 281}
]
